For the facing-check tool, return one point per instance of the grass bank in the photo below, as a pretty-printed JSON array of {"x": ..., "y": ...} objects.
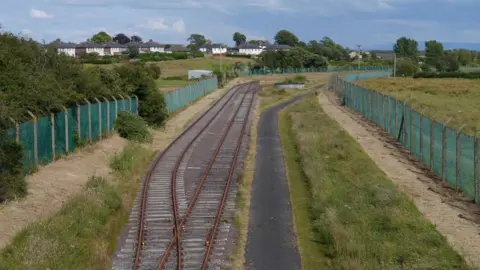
[
  {"x": 347, "y": 213},
  {"x": 449, "y": 98},
  {"x": 83, "y": 234}
]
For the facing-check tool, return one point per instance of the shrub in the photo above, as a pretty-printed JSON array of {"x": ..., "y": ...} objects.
[
  {"x": 12, "y": 178},
  {"x": 154, "y": 109},
  {"x": 455, "y": 74},
  {"x": 155, "y": 71},
  {"x": 132, "y": 127},
  {"x": 297, "y": 79},
  {"x": 406, "y": 67}
]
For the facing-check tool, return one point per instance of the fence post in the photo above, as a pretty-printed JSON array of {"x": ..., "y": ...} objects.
[
  {"x": 89, "y": 120},
  {"x": 136, "y": 102},
  {"x": 396, "y": 117},
  {"x": 444, "y": 149},
  {"x": 79, "y": 135},
  {"x": 421, "y": 132},
  {"x": 52, "y": 128},
  {"x": 389, "y": 119},
  {"x": 35, "y": 137},
  {"x": 116, "y": 107},
  {"x": 130, "y": 102},
  {"x": 123, "y": 101},
  {"x": 17, "y": 130},
  {"x": 457, "y": 158},
  {"x": 99, "y": 117},
  {"x": 66, "y": 129},
  {"x": 432, "y": 140},
  {"x": 411, "y": 131},
  {"x": 404, "y": 116},
  {"x": 475, "y": 167}
]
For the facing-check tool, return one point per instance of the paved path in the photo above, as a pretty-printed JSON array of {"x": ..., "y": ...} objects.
[{"x": 271, "y": 242}]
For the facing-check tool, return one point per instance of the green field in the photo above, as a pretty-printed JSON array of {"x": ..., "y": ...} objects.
[{"x": 347, "y": 213}]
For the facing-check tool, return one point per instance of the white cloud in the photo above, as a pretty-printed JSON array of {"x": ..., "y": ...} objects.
[
  {"x": 155, "y": 24},
  {"x": 39, "y": 14},
  {"x": 179, "y": 26}
]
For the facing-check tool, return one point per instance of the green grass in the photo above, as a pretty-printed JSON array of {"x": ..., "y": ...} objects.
[
  {"x": 347, "y": 213},
  {"x": 454, "y": 99},
  {"x": 171, "y": 84},
  {"x": 83, "y": 234}
]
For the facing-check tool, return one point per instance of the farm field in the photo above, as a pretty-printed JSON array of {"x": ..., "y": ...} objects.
[{"x": 454, "y": 99}]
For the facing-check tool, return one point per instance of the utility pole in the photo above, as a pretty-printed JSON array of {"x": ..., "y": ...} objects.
[{"x": 358, "y": 58}]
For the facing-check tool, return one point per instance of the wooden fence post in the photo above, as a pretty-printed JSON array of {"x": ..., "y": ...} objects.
[
  {"x": 457, "y": 158},
  {"x": 89, "y": 120},
  {"x": 35, "y": 137},
  {"x": 108, "y": 115}
]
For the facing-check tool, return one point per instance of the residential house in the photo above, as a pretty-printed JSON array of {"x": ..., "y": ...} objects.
[
  {"x": 206, "y": 49},
  {"x": 152, "y": 46},
  {"x": 219, "y": 49},
  {"x": 66, "y": 48},
  {"x": 176, "y": 48},
  {"x": 249, "y": 49},
  {"x": 276, "y": 47},
  {"x": 113, "y": 48}
]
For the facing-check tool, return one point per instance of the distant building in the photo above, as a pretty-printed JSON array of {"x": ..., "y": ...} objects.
[
  {"x": 249, "y": 49},
  {"x": 219, "y": 49}
]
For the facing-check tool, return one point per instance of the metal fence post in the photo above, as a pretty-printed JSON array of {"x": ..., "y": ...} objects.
[
  {"x": 123, "y": 101},
  {"x": 444, "y": 149},
  {"x": 89, "y": 120},
  {"x": 66, "y": 130},
  {"x": 116, "y": 107},
  {"x": 136, "y": 101},
  {"x": 130, "y": 102},
  {"x": 17, "y": 130},
  {"x": 52, "y": 128},
  {"x": 99, "y": 117},
  {"x": 432, "y": 140},
  {"x": 421, "y": 132},
  {"x": 475, "y": 167},
  {"x": 411, "y": 130},
  {"x": 79, "y": 131},
  {"x": 389, "y": 119},
  {"x": 108, "y": 115},
  {"x": 35, "y": 137},
  {"x": 457, "y": 158}
]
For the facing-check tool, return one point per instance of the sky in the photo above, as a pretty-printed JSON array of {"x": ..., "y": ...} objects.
[{"x": 348, "y": 22}]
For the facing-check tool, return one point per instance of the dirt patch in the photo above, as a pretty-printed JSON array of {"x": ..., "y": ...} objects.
[
  {"x": 53, "y": 184},
  {"x": 450, "y": 218}
]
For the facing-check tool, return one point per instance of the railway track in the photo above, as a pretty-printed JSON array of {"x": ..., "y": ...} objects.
[{"x": 178, "y": 219}]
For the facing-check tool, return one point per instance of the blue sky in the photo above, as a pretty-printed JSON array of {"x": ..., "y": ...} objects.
[{"x": 348, "y": 22}]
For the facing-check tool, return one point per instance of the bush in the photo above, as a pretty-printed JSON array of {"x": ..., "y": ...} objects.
[
  {"x": 406, "y": 67},
  {"x": 157, "y": 56},
  {"x": 155, "y": 71},
  {"x": 12, "y": 178},
  {"x": 154, "y": 109},
  {"x": 299, "y": 79},
  {"x": 132, "y": 127},
  {"x": 239, "y": 56}
]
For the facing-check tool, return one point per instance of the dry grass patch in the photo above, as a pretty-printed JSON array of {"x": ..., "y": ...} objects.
[
  {"x": 180, "y": 67},
  {"x": 347, "y": 213},
  {"x": 455, "y": 99}
]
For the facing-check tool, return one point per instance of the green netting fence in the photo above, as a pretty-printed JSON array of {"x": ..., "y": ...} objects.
[
  {"x": 307, "y": 70},
  {"x": 47, "y": 138},
  {"x": 450, "y": 154},
  {"x": 181, "y": 97}
]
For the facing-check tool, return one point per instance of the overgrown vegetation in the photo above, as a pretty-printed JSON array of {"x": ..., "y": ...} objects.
[
  {"x": 83, "y": 234},
  {"x": 454, "y": 74},
  {"x": 299, "y": 79},
  {"x": 12, "y": 180},
  {"x": 132, "y": 127},
  {"x": 347, "y": 213}
]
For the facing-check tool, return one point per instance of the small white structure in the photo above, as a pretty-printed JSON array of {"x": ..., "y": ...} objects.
[
  {"x": 197, "y": 74},
  {"x": 249, "y": 49},
  {"x": 152, "y": 46},
  {"x": 219, "y": 49},
  {"x": 67, "y": 48}
]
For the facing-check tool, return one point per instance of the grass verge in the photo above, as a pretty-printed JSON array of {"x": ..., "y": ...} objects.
[
  {"x": 243, "y": 197},
  {"x": 347, "y": 213},
  {"x": 83, "y": 234},
  {"x": 449, "y": 98}
]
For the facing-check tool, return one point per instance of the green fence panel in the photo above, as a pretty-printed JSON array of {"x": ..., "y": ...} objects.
[
  {"x": 466, "y": 165},
  {"x": 416, "y": 134},
  {"x": 44, "y": 140},
  {"x": 95, "y": 122},
  {"x": 120, "y": 105},
  {"x": 425, "y": 139},
  {"x": 27, "y": 140},
  {"x": 400, "y": 128},
  {"x": 437, "y": 147},
  {"x": 105, "y": 118},
  {"x": 393, "y": 124},
  {"x": 407, "y": 120},
  {"x": 134, "y": 105},
  {"x": 60, "y": 138},
  {"x": 378, "y": 101},
  {"x": 72, "y": 128},
  {"x": 84, "y": 123},
  {"x": 451, "y": 157},
  {"x": 112, "y": 114}
]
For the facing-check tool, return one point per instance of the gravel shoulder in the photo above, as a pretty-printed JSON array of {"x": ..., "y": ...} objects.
[{"x": 271, "y": 240}]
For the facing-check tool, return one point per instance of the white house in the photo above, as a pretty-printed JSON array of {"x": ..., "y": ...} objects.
[
  {"x": 67, "y": 48},
  {"x": 249, "y": 49},
  {"x": 152, "y": 46},
  {"x": 113, "y": 48},
  {"x": 219, "y": 49}
]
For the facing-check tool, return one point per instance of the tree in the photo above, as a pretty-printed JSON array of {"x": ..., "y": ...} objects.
[
  {"x": 464, "y": 57},
  {"x": 135, "y": 38},
  {"x": 239, "y": 38},
  {"x": 133, "y": 51},
  {"x": 121, "y": 38},
  {"x": 433, "y": 50},
  {"x": 406, "y": 67},
  {"x": 196, "y": 41},
  {"x": 448, "y": 63},
  {"x": 285, "y": 37},
  {"x": 406, "y": 47},
  {"x": 373, "y": 55},
  {"x": 100, "y": 37}
]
